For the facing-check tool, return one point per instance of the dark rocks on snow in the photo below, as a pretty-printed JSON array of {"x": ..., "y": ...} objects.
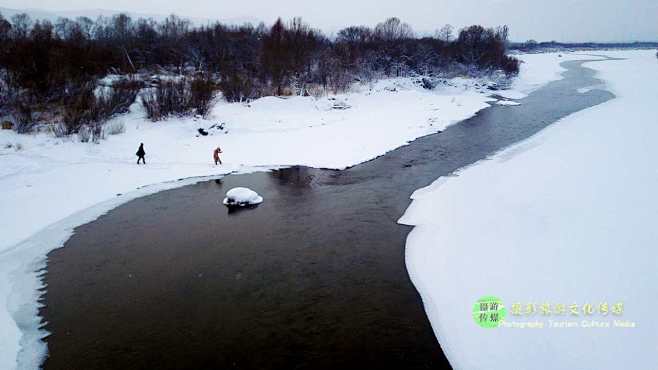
[
  {"x": 341, "y": 105},
  {"x": 428, "y": 84},
  {"x": 217, "y": 126}
]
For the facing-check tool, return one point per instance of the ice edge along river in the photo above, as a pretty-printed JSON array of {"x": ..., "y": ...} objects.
[
  {"x": 51, "y": 185},
  {"x": 565, "y": 217}
]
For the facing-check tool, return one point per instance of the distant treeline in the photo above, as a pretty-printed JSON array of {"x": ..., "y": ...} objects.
[
  {"x": 532, "y": 45},
  {"x": 46, "y": 63}
]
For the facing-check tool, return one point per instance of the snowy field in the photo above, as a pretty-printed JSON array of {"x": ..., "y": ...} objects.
[
  {"x": 566, "y": 217},
  {"x": 50, "y": 185}
]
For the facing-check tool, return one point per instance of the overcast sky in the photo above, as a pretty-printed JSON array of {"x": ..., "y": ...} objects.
[{"x": 562, "y": 20}]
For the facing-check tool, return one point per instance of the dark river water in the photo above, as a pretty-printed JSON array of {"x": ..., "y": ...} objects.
[{"x": 313, "y": 278}]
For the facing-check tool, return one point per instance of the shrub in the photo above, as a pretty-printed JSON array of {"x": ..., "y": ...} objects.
[
  {"x": 510, "y": 65},
  {"x": 178, "y": 98},
  {"x": 79, "y": 110},
  {"x": 202, "y": 91},
  {"x": 84, "y": 134},
  {"x": 91, "y": 108},
  {"x": 58, "y": 130},
  {"x": 130, "y": 84},
  {"x": 115, "y": 101},
  {"x": 91, "y": 133},
  {"x": 168, "y": 98},
  {"x": 24, "y": 118},
  {"x": 237, "y": 88},
  {"x": 151, "y": 105},
  {"x": 114, "y": 128}
]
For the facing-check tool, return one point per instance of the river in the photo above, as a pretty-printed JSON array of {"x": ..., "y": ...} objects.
[{"x": 313, "y": 278}]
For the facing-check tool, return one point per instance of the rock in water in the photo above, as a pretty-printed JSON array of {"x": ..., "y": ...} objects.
[{"x": 242, "y": 197}]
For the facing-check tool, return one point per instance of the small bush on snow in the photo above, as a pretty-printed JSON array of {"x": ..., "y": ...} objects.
[
  {"x": 91, "y": 133},
  {"x": 114, "y": 128},
  {"x": 84, "y": 134},
  {"x": 179, "y": 98},
  {"x": 58, "y": 130},
  {"x": 24, "y": 118},
  {"x": 89, "y": 109}
]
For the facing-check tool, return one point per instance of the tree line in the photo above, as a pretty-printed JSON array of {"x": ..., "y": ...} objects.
[{"x": 44, "y": 64}]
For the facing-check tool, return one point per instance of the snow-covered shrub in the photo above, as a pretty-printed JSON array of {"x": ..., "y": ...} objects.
[
  {"x": 24, "y": 118},
  {"x": 149, "y": 100},
  {"x": 80, "y": 109},
  {"x": 4, "y": 92},
  {"x": 89, "y": 107},
  {"x": 168, "y": 98},
  {"x": 114, "y": 128},
  {"x": 510, "y": 65},
  {"x": 84, "y": 134},
  {"x": 178, "y": 98},
  {"x": 316, "y": 91},
  {"x": 202, "y": 90},
  {"x": 128, "y": 83},
  {"x": 58, "y": 130},
  {"x": 91, "y": 133},
  {"x": 238, "y": 87}
]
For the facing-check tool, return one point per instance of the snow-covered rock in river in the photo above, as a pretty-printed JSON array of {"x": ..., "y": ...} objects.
[{"x": 242, "y": 197}]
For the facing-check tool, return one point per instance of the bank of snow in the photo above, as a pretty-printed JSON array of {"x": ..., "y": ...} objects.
[
  {"x": 566, "y": 217},
  {"x": 50, "y": 185}
]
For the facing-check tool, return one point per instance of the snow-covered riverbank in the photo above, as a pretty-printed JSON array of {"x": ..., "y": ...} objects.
[
  {"x": 51, "y": 185},
  {"x": 564, "y": 218}
]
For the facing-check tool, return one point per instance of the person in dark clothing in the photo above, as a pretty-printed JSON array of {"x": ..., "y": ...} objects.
[{"x": 141, "y": 153}]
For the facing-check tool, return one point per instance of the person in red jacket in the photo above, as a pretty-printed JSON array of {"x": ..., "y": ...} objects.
[{"x": 215, "y": 155}]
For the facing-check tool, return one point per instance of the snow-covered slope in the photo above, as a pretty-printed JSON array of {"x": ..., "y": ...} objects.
[
  {"x": 50, "y": 185},
  {"x": 565, "y": 218}
]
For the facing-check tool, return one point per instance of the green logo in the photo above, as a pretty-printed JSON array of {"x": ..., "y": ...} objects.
[{"x": 489, "y": 312}]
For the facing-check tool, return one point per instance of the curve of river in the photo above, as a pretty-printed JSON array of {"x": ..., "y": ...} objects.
[{"x": 314, "y": 278}]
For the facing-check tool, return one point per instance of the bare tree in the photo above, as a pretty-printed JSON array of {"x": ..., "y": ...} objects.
[
  {"x": 354, "y": 34},
  {"x": 5, "y": 28},
  {"x": 174, "y": 27},
  {"x": 393, "y": 29},
  {"x": 445, "y": 33},
  {"x": 86, "y": 26},
  {"x": 21, "y": 25}
]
